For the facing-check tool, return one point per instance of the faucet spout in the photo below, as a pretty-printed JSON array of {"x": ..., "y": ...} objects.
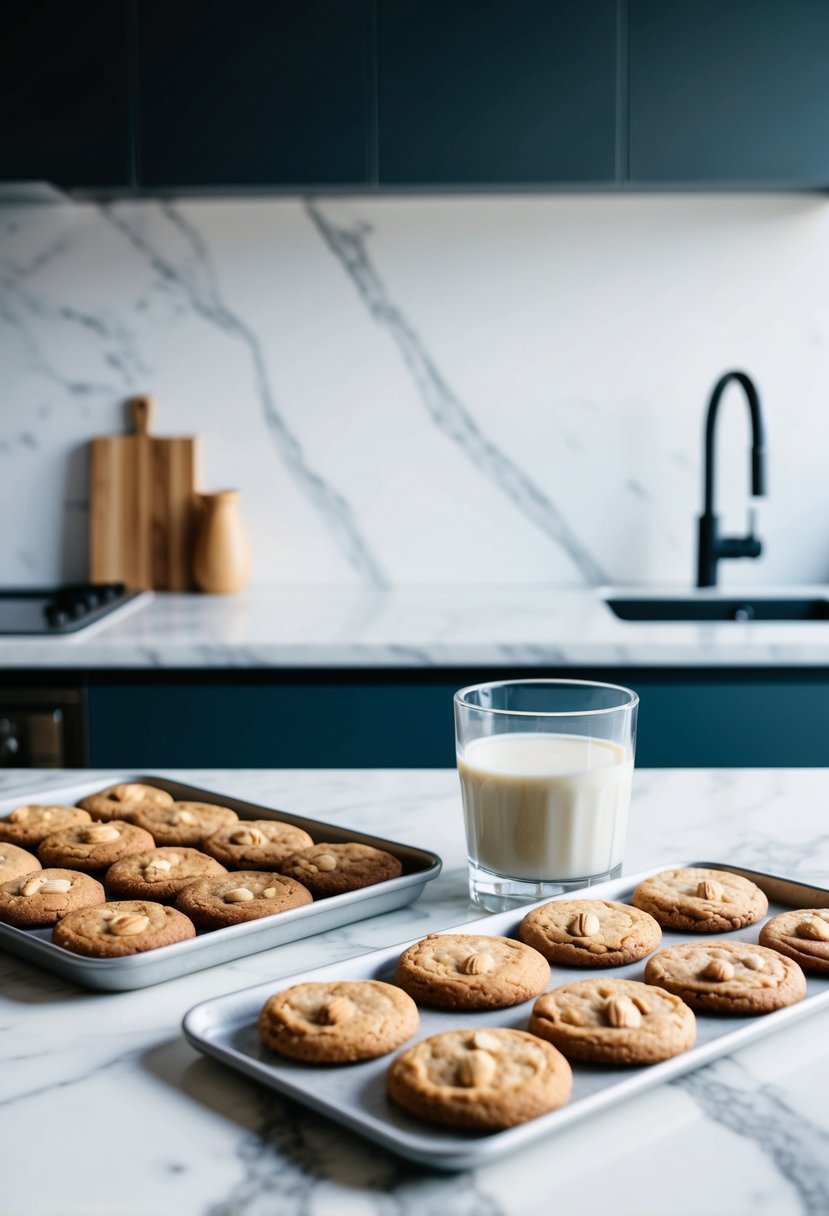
[{"x": 712, "y": 547}]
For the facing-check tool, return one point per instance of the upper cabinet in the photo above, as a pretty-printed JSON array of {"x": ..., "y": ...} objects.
[
  {"x": 488, "y": 92},
  {"x": 253, "y": 92},
  {"x": 64, "y": 92},
  {"x": 729, "y": 92},
  {"x": 296, "y": 95}
]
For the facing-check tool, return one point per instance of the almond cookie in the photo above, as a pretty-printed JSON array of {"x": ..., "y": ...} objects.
[
  {"x": 94, "y": 846},
  {"x": 256, "y": 844},
  {"x": 160, "y": 874},
  {"x": 44, "y": 896},
  {"x": 700, "y": 901},
  {"x": 14, "y": 861},
  {"x": 212, "y": 903},
  {"x": 484, "y": 1080},
  {"x": 116, "y": 929},
  {"x": 337, "y": 1022},
  {"x": 727, "y": 977},
  {"x": 29, "y": 825},
  {"x": 614, "y": 1022},
  {"x": 802, "y": 935},
  {"x": 465, "y": 971},
  {"x": 184, "y": 823},
  {"x": 116, "y": 801},
  {"x": 590, "y": 932},
  {"x": 330, "y": 869}
]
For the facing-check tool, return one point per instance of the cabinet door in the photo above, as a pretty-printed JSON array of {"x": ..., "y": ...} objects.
[
  {"x": 253, "y": 92},
  {"x": 483, "y": 92},
  {"x": 734, "y": 91},
  {"x": 64, "y": 92}
]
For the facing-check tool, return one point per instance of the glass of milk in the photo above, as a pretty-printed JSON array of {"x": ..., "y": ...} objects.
[{"x": 546, "y": 769}]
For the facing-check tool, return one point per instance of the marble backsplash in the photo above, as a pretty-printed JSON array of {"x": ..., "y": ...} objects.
[{"x": 427, "y": 390}]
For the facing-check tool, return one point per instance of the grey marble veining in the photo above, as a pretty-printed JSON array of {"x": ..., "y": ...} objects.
[{"x": 196, "y": 1139}]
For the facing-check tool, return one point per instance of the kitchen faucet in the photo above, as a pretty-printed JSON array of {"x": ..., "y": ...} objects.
[{"x": 712, "y": 547}]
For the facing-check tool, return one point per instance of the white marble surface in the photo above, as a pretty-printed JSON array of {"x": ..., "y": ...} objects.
[
  {"x": 133, "y": 1121},
  {"x": 407, "y": 627},
  {"x": 427, "y": 390}
]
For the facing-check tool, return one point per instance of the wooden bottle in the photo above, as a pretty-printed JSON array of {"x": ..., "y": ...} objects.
[{"x": 221, "y": 556}]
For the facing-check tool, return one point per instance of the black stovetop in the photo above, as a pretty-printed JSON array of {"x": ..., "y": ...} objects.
[{"x": 56, "y": 610}]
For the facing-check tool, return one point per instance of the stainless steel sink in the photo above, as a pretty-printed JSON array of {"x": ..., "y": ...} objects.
[{"x": 720, "y": 608}]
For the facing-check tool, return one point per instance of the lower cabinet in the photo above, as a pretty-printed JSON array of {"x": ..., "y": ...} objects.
[{"x": 348, "y": 719}]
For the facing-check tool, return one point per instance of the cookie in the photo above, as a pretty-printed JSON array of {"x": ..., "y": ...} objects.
[
  {"x": 116, "y": 801},
  {"x": 212, "y": 903},
  {"x": 483, "y": 1080},
  {"x": 183, "y": 823},
  {"x": 29, "y": 825},
  {"x": 614, "y": 1022},
  {"x": 44, "y": 896},
  {"x": 801, "y": 934},
  {"x": 160, "y": 874},
  {"x": 700, "y": 901},
  {"x": 727, "y": 977},
  {"x": 330, "y": 869},
  {"x": 14, "y": 861},
  {"x": 256, "y": 844},
  {"x": 116, "y": 929},
  {"x": 590, "y": 932},
  {"x": 94, "y": 846},
  {"x": 337, "y": 1022},
  {"x": 465, "y": 971}
]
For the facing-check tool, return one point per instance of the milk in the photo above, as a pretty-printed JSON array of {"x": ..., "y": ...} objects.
[{"x": 545, "y": 806}]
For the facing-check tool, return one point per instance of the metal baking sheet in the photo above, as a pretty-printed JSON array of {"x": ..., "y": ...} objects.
[
  {"x": 215, "y": 946},
  {"x": 355, "y": 1095}
]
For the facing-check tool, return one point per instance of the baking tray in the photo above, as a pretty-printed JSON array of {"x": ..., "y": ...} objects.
[
  {"x": 355, "y": 1095},
  {"x": 215, "y": 946}
]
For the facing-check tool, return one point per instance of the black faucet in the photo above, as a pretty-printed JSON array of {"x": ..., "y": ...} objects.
[{"x": 712, "y": 546}]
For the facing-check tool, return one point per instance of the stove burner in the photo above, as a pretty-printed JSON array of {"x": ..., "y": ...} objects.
[{"x": 61, "y": 609}]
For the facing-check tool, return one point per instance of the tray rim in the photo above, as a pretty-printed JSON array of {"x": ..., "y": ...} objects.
[
  {"x": 473, "y": 1151},
  {"x": 106, "y": 972}
]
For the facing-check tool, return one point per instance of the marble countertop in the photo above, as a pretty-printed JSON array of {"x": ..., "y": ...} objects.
[
  {"x": 414, "y": 627},
  {"x": 133, "y": 1121}
]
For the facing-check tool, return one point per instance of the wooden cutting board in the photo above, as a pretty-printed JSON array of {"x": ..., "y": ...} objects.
[{"x": 143, "y": 502}]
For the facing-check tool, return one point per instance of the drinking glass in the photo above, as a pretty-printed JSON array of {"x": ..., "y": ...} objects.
[{"x": 546, "y": 768}]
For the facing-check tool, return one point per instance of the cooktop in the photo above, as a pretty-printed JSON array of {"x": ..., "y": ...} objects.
[{"x": 55, "y": 610}]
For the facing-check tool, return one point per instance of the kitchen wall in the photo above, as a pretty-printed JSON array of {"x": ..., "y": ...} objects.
[{"x": 433, "y": 389}]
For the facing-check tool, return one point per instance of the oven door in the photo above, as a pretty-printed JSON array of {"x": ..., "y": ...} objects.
[{"x": 42, "y": 728}]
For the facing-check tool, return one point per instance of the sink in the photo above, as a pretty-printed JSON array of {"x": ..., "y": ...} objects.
[{"x": 733, "y": 608}]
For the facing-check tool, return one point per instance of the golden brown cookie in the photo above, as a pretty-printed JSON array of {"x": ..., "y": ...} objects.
[
  {"x": 330, "y": 869},
  {"x": 28, "y": 825},
  {"x": 94, "y": 846},
  {"x": 614, "y": 1022},
  {"x": 727, "y": 977},
  {"x": 184, "y": 823},
  {"x": 120, "y": 928},
  {"x": 590, "y": 932},
  {"x": 212, "y": 903},
  {"x": 338, "y": 1021},
  {"x": 160, "y": 874},
  {"x": 466, "y": 971},
  {"x": 117, "y": 801},
  {"x": 256, "y": 844},
  {"x": 484, "y": 1080},
  {"x": 700, "y": 901},
  {"x": 44, "y": 896},
  {"x": 801, "y": 934},
  {"x": 14, "y": 861}
]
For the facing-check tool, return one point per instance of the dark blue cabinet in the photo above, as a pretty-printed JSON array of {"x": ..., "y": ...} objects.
[
  {"x": 64, "y": 92},
  {"x": 729, "y": 91},
  {"x": 254, "y": 92},
  {"x": 482, "y": 92}
]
